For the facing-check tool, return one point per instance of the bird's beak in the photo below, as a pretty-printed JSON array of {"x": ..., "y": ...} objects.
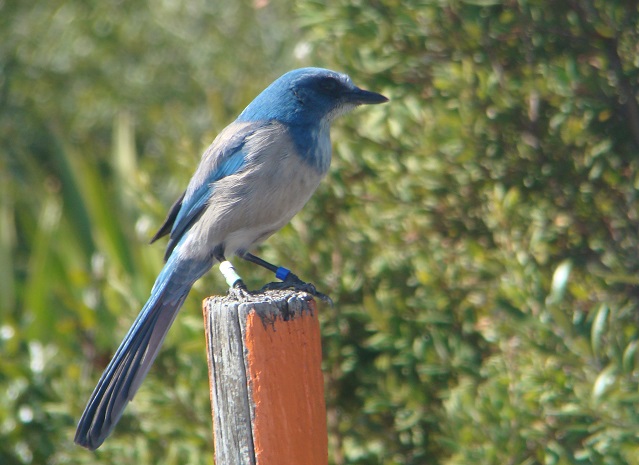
[{"x": 365, "y": 97}]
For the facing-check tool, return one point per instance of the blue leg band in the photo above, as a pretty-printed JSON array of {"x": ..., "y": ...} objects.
[{"x": 282, "y": 273}]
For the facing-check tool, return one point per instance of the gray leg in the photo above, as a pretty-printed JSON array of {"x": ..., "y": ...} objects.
[
  {"x": 289, "y": 280},
  {"x": 237, "y": 287}
]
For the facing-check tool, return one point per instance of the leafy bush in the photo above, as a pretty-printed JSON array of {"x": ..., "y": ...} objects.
[
  {"x": 478, "y": 233},
  {"x": 487, "y": 237}
]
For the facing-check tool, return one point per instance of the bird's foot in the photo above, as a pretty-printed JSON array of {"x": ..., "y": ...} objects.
[
  {"x": 294, "y": 283},
  {"x": 239, "y": 291}
]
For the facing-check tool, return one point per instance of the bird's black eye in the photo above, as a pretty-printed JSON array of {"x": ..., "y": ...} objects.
[{"x": 329, "y": 84}]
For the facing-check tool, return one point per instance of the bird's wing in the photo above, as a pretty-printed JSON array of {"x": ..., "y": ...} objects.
[
  {"x": 225, "y": 156},
  {"x": 169, "y": 220}
]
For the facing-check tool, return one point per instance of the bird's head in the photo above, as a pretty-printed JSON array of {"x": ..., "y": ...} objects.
[{"x": 308, "y": 95}]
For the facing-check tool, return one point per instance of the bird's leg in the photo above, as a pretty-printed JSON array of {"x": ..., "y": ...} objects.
[
  {"x": 289, "y": 280},
  {"x": 237, "y": 288}
]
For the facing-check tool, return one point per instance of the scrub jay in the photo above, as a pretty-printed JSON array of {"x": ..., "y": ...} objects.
[{"x": 256, "y": 175}]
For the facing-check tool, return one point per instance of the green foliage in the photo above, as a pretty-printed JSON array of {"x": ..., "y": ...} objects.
[
  {"x": 478, "y": 233},
  {"x": 104, "y": 111},
  {"x": 487, "y": 236}
]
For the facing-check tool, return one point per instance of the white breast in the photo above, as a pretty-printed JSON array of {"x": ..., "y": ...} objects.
[{"x": 250, "y": 205}]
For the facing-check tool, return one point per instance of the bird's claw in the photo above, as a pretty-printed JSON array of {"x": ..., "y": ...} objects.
[
  {"x": 239, "y": 291},
  {"x": 294, "y": 283}
]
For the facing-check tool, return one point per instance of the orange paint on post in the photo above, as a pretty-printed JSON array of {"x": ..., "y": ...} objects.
[{"x": 284, "y": 362}]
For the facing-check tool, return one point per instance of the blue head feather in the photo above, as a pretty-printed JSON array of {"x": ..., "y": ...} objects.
[{"x": 307, "y": 100}]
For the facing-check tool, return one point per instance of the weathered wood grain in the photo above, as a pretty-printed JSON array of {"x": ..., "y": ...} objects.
[{"x": 267, "y": 391}]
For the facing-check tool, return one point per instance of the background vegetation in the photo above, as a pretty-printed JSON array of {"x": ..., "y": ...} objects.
[{"x": 479, "y": 233}]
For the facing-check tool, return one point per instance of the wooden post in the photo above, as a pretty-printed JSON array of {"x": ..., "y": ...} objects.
[{"x": 267, "y": 389}]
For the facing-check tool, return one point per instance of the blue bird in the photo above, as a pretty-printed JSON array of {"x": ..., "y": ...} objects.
[{"x": 255, "y": 176}]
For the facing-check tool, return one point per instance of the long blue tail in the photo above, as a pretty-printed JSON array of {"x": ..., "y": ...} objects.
[{"x": 133, "y": 359}]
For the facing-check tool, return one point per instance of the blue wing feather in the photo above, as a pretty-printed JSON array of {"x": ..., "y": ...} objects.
[{"x": 224, "y": 157}]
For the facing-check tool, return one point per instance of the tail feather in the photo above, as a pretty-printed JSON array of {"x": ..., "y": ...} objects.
[{"x": 133, "y": 359}]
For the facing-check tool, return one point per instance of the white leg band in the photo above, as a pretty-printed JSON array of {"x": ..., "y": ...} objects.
[{"x": 229, "y": 273}]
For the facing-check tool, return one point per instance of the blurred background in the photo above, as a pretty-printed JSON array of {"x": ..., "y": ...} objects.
[{"x": 479, "y": 233}]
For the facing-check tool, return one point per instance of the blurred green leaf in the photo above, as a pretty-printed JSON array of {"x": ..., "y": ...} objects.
[{"x": 598, "y": 330}]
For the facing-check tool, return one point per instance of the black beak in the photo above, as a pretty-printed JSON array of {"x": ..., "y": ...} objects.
[{"x": 366, "y": 97}]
